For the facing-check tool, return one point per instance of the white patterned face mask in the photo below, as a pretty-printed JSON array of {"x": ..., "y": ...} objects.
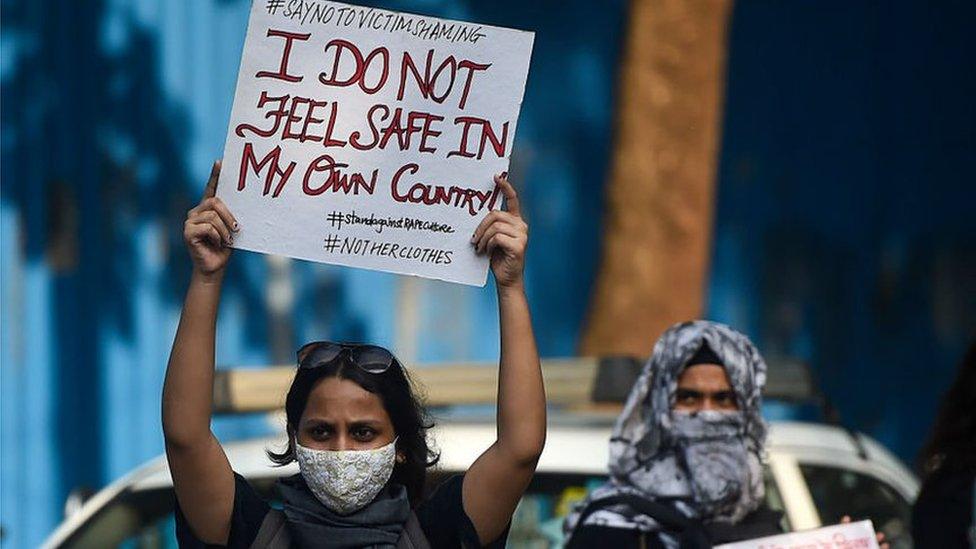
[
  {"x": 346, "y": 480},
  {"x": 720, "y": 468}
]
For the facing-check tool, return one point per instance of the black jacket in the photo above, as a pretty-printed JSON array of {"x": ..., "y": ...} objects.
[
  {"x": 761, "y": 522},
  {"x": 943, "y": 511}
]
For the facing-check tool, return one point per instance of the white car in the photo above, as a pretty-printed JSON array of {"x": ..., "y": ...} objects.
[{"x": 815, "y": 475}]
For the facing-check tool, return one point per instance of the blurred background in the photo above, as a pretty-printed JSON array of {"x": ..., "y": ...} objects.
[{"x": 803, "y": 171}]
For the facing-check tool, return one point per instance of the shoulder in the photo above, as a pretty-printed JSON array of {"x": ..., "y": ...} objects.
[
  {"x": 760, "y": 523},
  {"x": 947, "y": 484},
  {"x": 606, "y": 536},
  {"x": 443, "y": 520},
  {"x": 248, "y": 513},
  {"x": 944, "y": 508}
]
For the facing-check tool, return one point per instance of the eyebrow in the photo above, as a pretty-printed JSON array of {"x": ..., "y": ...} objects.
[
  {"x": 371, "y": 422},
  {"x": 700, "y": 394},
  {"x": 365, "y": 423}
]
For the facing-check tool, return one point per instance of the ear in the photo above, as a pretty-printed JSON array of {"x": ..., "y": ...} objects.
[{"x": 400, "y": 458}]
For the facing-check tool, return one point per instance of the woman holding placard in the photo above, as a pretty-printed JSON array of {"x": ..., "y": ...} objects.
[{"x": 354, "y": 424}]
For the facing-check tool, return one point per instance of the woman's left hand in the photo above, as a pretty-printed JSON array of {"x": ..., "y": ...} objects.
[{"x": 504, "y": 236}]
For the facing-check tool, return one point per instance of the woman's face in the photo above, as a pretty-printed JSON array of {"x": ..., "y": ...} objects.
[{"x": 341, "y": 415}]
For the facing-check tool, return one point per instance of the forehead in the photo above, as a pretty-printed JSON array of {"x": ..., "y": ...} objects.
[
  {"x": 341, "y": 399},
  {"x": 710, "y": 377}
]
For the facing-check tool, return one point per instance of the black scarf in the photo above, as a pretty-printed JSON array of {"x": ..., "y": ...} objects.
[{"x": 312, "y": 524}]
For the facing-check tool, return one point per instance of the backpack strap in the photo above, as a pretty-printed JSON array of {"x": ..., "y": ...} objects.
[
  {"x": 690, "y": 532},
  {"x": 273, "y": 533},
  {"x": 413, "y": 536}
]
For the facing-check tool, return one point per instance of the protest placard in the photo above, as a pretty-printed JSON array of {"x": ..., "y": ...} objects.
[
  {"x": 854, "y": 535},
  {"x": 369, "y": 138}
]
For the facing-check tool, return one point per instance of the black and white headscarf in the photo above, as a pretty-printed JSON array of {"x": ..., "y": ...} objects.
[{"x": 708, "y": 464}]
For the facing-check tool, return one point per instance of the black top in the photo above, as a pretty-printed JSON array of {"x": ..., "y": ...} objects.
[
  {"x": 943, "y": 511},
  {"x": 760, "y": 523},
  {"x": 441, "y": 517}
]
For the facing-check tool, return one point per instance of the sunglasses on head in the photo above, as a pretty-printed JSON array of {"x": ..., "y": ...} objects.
[{"x": 371, "y": 358}]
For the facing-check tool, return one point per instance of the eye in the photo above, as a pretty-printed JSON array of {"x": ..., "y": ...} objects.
[
  {"x": 363, "y": 433},
  {"x": 725, "y": 399},
  {"x": 319, "y": 431},
  {"x": 686, "y": 397}
]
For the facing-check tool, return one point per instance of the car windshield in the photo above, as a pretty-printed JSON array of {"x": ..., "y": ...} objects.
[{"x": 838, "y": 492}]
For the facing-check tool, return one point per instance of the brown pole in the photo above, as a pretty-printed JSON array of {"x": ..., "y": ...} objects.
[{"x": 662, "y": 178}]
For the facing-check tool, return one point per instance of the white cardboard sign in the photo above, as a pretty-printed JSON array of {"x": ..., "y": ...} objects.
[
  {"x": 369, "y": 138},
  {"x": 854, "y": 535}
]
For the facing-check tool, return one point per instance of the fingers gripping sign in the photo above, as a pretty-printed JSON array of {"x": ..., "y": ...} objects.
[
  {"x": 504, "y": 235},
  {"x": 211, "y": 189},
  {"x": 880, "y": 536},
  {"x": 209, "y": 230}
]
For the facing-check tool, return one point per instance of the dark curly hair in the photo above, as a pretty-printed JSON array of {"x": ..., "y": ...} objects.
[
  {"x": 407, "y": 412},
  {"x": 952, "y": 444}
]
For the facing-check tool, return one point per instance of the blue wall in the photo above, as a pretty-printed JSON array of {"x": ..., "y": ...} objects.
[
  {"x": 113, "y": 111},
  {"x": 844, "y": 227}
]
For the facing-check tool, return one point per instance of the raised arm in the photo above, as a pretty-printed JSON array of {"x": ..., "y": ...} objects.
[
  {"x": 495, "y": 482},
  {"x": 202, "y": 476}
]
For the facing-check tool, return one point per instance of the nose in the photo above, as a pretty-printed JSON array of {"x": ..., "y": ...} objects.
[{"x": 341, "y": 442}]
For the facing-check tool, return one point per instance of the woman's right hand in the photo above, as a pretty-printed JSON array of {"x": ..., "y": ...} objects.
[{"x": 209, "y": 230}]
